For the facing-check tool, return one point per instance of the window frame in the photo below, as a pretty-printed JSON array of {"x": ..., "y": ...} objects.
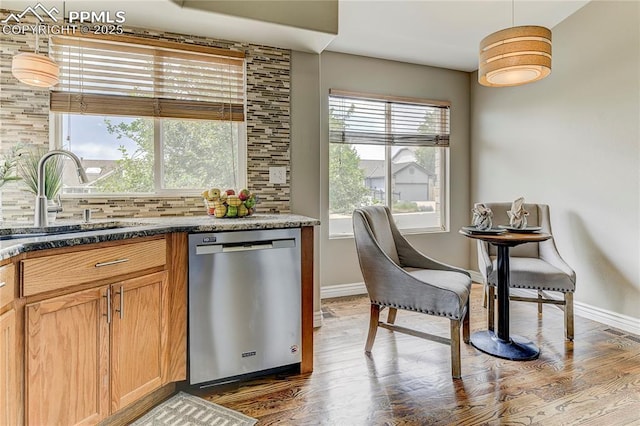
[
  {"x": 444, "y": 165},
  {"x": 221, "y": 97},
  {"x": 56, "y": 142}
]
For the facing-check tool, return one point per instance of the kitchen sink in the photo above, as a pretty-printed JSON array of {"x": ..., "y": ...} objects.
[
  {"x": 32, "y": 232},
  {"x": 18, "y": 236}
]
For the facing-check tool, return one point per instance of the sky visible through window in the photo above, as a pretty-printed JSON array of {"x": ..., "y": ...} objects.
[
  {"x": 370, "y": 152},
  {"x": 87, "y": 137}
]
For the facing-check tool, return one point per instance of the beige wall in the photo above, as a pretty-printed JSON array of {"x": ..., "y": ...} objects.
[
  {"x": 339, "y": 263},
  {"x": 573, "y": 141},
  {"x": 305, "y": 147}
]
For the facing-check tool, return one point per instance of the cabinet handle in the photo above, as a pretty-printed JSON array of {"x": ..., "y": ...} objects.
[
  {"x": 112, "y": 262},
  {"x": 121, "y": 310},
  {"x": 108, "y": 314},
  {"x": 2, "y": 284}
]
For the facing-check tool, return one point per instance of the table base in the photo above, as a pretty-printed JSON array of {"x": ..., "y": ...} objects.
[{"x": 516, "y": 349}]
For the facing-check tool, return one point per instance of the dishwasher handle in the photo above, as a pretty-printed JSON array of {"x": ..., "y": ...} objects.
[
  {"x": 247, "y": 247},
  {"x": 241, "y": 247}
]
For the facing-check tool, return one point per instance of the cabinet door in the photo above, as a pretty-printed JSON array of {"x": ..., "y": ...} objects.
[
  {"x": 67, "y": 357},
  {"x": 138, "y": 338},
  {"x": 8, "y": 368}
]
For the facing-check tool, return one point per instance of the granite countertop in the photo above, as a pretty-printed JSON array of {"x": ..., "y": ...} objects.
[{"x": 77, "y": 233}]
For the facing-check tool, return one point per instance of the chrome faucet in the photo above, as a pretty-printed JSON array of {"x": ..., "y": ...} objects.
[{"x": 40, "y": 218}]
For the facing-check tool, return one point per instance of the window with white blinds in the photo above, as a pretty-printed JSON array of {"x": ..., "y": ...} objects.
[
  {"x": 150, "y": 78},
  {"x": 388, "y": 150},
  {"x": 371, "y": 120}
]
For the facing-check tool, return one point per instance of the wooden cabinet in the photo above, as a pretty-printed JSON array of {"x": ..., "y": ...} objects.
[
  {"x": 9, "y": 386},
  {"x": 58, "y": 271},
  {"x": 7, "y": 284},
  {"x": 8, "y": 369},
  {"x": 67, "y": 359},
  {"x": 138, "y": 338},
  {"x": 96, "y": 350},
  {"x": 96, "y": 332}
]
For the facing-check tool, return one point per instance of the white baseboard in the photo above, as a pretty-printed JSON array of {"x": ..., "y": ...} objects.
[
  {"x": 341, "y": 290},
  {"x": 612, "y": 319},
  {"x": 603, "y": 316},
  {"x": 317, "y": 319},
  {"x": 476, "y": 276}
]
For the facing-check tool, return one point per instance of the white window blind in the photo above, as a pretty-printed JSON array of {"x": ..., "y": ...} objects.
[
  {"x": 378, "y": 120},
  {"x": 140, "y": 77}
]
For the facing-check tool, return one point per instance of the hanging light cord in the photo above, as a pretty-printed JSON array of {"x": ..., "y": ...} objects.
[{"x": 513, "y": 5}]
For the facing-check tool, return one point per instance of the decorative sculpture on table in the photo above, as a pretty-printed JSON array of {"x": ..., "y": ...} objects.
[
  {"x": 482, "y": 216},
  {"x": 517, "y": 214}
]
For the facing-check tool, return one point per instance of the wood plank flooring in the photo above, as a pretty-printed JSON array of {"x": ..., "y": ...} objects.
[{"x": 406, "y": 381}]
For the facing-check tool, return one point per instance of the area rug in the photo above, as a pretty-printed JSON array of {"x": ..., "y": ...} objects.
[{"x": 183, "y": 409}]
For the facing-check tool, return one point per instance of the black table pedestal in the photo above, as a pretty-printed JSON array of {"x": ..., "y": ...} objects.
[
  {"x": 516, "y": 348},
  {"x": 500, "y": 344}
]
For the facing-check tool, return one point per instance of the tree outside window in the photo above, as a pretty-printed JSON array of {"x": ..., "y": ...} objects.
[{"x": 193, "y": 154}]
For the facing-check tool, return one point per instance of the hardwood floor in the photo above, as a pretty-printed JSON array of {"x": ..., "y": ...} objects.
[{"x": 406, "y": 381}]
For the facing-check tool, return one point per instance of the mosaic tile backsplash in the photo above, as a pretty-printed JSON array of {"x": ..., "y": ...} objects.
[{"x": 24, "y": 118}]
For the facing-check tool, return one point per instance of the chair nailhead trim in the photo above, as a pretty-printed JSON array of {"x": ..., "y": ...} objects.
[
  {"x": 562, "y": 290},
  {"x": 408, "y": 308}
]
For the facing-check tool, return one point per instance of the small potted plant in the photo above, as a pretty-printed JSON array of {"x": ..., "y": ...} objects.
[
  {"x": 8, "y": 166},
  {"x": 8, "y": 169},
  {"x": 28, "y": 171}
]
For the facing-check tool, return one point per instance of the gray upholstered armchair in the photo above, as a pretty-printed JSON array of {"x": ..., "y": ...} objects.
[
  {"x": 397, "y": 276},
  {"x": 536, "y": 266}
]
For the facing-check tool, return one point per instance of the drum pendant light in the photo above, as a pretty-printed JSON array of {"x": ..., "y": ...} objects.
[
  {"x": 35, "y": 69},
  {"x": 515, "y": 56}
]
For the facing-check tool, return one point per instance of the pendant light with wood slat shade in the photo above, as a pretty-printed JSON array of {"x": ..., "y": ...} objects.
[
  {"x": 515, "y": 56},
  {"x": 35, "y": 69}
]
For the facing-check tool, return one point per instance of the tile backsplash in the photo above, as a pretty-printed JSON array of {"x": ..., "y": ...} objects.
[{"x": 24, "y": 118}]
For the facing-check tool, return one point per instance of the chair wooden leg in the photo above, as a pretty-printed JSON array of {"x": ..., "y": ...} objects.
[
  {"x": 568, "y": 315},
  {"x": 485, "y": 290},
  {"x": 391, "y": 317},
  {"x": 491, "y": 307},
  {"x": 465, "y": 324},
  {"x": 455, "y": 349},
  {"x": 539, "y": 302},
  {"x": 373, "y": 327}
]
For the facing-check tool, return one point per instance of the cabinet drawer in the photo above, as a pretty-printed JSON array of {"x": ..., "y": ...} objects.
[
  {"x": 7, "y": 284},
  {"x": 69, "y": 269}
]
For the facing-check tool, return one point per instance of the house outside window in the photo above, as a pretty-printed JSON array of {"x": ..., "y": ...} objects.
[
  {"x": 149, "y": 117},
  {"x": 388, "y": 151}
]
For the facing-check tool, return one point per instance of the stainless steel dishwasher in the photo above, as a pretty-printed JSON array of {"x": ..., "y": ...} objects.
[{"x": 244, "y": 303}]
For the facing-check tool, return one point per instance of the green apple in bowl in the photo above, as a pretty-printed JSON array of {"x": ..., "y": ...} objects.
[
  {"x": 250, "y": 202},
  {"x": 232, "y": 211}
]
